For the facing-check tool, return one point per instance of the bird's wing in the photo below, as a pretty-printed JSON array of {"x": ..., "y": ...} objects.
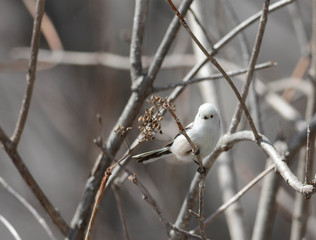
[{"x": 187, "y": 128}]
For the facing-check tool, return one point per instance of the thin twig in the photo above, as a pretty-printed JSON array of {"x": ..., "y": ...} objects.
[
  {"x": 102, "y": 186},
  {"x": 129, "y": 114},
  {"x": 254, "y": 56},
  {"x": 214, "y": 76},
  {"x": 30, "y": 181},
  {"x": 229, "y": 36},
  {"x": 198, "y": 22},
  {"x": 167, "y": 40},
  {"x": 151, "y": 201},
  {"x": 218, "y": 66},
  {"x": 31, "y": 75},
  {"x": 96, "y": 206},
  {"x": 116, "y": 191},
  {"x": 11, "y": 229},
  {"x": 29, "y": 207},
  {"x": 308, "y": 157},
  {"x": 235, "y": 198}
]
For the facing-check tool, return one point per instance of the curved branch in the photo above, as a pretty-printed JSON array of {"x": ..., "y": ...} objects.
[
  {"x": 31, "y": 75},
  {"x": 227, "y": 142}
]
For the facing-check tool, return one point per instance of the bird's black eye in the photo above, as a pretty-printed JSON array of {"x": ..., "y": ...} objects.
[{"x": 212, "y": 116}]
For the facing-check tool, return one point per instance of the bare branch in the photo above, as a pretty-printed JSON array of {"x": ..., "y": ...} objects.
[
  {"x": 31, "y": 75},
  {"x": 30, "y": 181},
  {"x": 151, "y": 201},
  {"x": 116, "y": 190},
  {"x": 227, "y": 142},
  {"x": 96, "y": 206},
  {"x": 218, "y": 66},
  {"x": 48, "y": 59},
  {"x": 235, "y": 198},
  {"x": 127, "y": 117},
  {"x": 140, "y": 16},
  {"x": 254, "y": 56},
  {"x": 229, "y": 36},
  {"x": 11, "y": 229},
  {"x": 48, "y": 28},
  {"x": 267, "y": 202},
  {"x": 167, "y": 40},
  {"x": 213, "y": 77},
  {"x": 29, "y": 207},
  {"x": 201, "y": 205}
]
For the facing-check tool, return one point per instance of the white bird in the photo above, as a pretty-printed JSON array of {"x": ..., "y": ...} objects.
[{"x": 204, "y": 133}]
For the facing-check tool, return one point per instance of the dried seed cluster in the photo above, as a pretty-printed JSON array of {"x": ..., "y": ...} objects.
[
  {"x": 149, "y": 123},
  {"x": 122, "y": 130}
]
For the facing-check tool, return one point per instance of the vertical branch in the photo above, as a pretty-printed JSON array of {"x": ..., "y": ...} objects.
[
  {"x": 201, "y": 205},
  {"x": 309, "y": 159},
  {"x": 210, "y": 93},
  {"x": 266, "y": 206},
  {"x": 140, "y": 16},
  {"x": 253, "y": 60},
  {"x": 31, "y": 74},
  {"x": 10, "y": 145},
  {"x": 305, "y": 166},
  {"x": 129, "y": 114}
]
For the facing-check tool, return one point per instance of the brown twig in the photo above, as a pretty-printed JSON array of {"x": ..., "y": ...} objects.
[
  {"x": 30, "y": 181},
  {"x": 102, "y": 186},
  {"x": 129, "y": 114},
  {"x": 31, "y": 75},
  {"x": 218, "y": 66},
  {"x": 96, "y": 206}
]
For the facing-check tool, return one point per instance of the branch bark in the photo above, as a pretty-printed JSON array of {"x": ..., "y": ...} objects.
[
  {"x": 31, "y": 182},
  {"x": 31, "y": 75}
]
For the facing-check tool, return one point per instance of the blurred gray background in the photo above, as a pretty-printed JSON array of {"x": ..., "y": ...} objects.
[{"x": 57, "y": 144}]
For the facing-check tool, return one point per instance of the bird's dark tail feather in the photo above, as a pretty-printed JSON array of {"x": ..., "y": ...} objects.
[{"x": 151, "y": 156}]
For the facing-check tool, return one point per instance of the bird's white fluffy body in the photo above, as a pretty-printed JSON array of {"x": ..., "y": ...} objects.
[{"x": 204, "y": 132}]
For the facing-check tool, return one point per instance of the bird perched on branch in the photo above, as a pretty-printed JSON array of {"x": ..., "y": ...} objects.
[{"x": 204, "y": 132}]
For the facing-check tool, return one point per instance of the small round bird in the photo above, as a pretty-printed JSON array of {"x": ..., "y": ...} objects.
[{"x": 204, "y": 133}]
